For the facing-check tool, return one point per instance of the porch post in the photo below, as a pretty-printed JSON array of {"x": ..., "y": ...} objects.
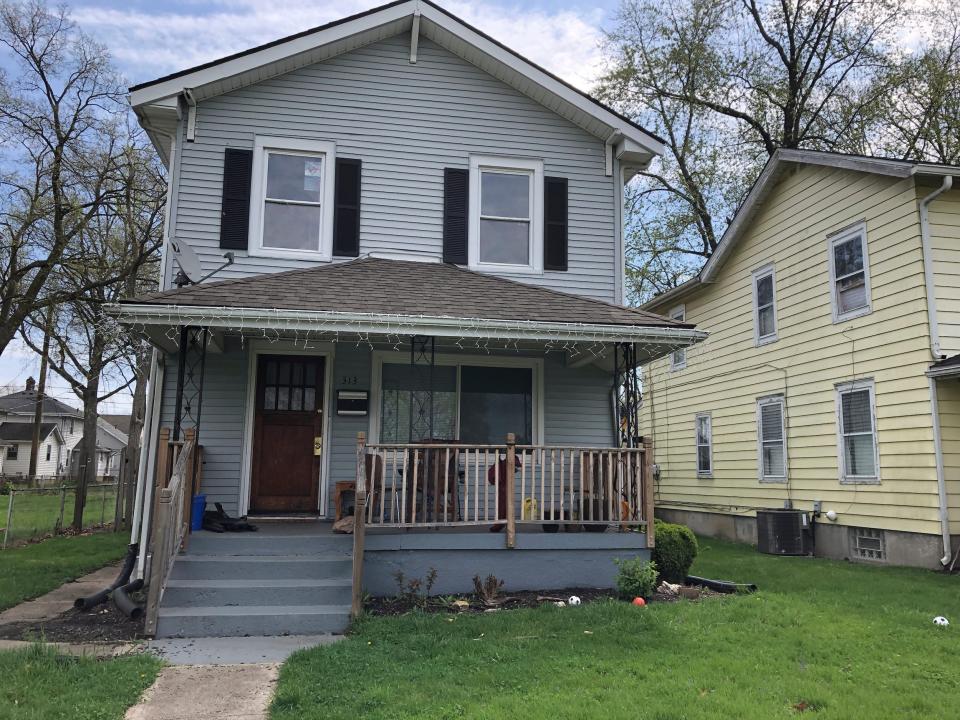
[
  {"x": 359, "y": 526},
  {"x": 648, "y": 489},
  {"x": 509, "y": 494}
]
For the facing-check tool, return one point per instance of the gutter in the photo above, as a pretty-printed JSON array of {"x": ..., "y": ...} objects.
[{"x": 937, "y": 354}]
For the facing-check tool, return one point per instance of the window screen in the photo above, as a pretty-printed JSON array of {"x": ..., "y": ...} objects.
[
  {"x": 495, "y": 401},
  {"x": 704, "y": 442},
  {"x": 857, "y": 431},
  {"x": 849, "y": 275},
  {"x": 773, "y": 450}
]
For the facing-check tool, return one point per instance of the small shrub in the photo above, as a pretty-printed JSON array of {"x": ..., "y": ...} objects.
[
  {"x": 487, "y": 590},
  {"x": 674, "y": 550},
  {"x": 414, "y": 590},
  {"x": 636, "y": 577}
]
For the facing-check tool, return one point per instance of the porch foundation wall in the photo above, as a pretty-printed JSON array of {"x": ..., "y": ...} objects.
[{"x": 538, "y": 562}]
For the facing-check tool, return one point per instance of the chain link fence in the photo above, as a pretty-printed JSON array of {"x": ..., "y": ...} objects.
[{"x": 29, "y": 513}]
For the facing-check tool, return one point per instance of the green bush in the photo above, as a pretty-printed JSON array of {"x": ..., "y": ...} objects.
[
  {"x": 675, "y": 549},
  {"x": 636, "y": 577}
]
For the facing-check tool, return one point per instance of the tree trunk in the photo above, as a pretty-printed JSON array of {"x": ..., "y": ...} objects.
[{"x": 87, "y": 472}]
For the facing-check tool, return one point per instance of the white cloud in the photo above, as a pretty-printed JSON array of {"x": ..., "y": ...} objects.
[{"x": 150, "y": 44}]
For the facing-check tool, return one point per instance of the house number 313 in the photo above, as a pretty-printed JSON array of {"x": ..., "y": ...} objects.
[{"x": 349, "y": 380}]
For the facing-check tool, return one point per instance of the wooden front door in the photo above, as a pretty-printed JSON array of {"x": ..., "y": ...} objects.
[{"x": 287, "y": 434}]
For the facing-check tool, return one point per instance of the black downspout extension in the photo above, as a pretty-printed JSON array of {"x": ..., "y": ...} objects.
[
  {"x": 723, "y": 586},
  {"x": 85, "y": 603},
  {"x": 121, "y": 598}
]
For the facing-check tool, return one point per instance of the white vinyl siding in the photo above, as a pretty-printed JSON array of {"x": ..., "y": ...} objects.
[
  {"x": 772, "y": 439},
  {"x": 764, "y": 306},
  {"x": 704, "y": 440},
  {"x": 849, "y": 274},
  {"x": 856, "y": 433},
  {"x": 678, "y": 358}
]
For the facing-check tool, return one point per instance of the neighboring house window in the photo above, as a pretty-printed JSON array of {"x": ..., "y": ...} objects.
[
  {"x": 678, "y": 360},
  {"x": 506, "y": 210},
  {"x": 291, "y": 209},
  {"x": 764, "y": 306},
  {"x": 49, "y": 450},
  {"x": 12, "y": 452},
  {"x": 857, "y": 432},
  {"x": 71, "y": 426},
  {"x": 704, "y": 425},
  {"x": 849, "y": 274},
  {"x": 772, "y": 439}
]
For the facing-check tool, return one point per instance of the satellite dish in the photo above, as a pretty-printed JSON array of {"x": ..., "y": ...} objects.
[{"x": 190, "y": 271}]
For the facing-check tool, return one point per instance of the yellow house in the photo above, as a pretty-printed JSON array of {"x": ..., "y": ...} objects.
[{"x": 830, "y": 380}]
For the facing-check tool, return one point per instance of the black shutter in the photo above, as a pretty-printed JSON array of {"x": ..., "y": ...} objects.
[
  {"x": 456, "y": 188},
  {"x": 235, "y": 201},
  {"x": 346, "y": 204},
  {"x": 555, "y": 223}
]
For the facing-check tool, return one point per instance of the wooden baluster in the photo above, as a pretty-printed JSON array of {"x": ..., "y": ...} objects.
[
  {"x": 477, "y": 479},
  {"x": 523, "y": 481},
  {"x": 511, "y": 500},
  {"x": 446, "y": 484},
  {"x": 403, "y": 487},
  {"x": 647, "y": 490},
  {"x": 359, "y": 526},
  {"x": 553, "y": 483},
  {"x": 496, "y": 485},
  {"x": 466, "y": 484},
  {"x": 563, "y": 482},
  {"x": 573, "y": 490},
  {"x": 543, "y": 471},
  {"x": 610, "y": 515}
]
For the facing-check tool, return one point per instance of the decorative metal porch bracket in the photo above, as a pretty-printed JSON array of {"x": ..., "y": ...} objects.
[
  {"x": 626, "y": 394},
  {"x": 191, "y": 366},
  {"x": 422, "y": 361}
]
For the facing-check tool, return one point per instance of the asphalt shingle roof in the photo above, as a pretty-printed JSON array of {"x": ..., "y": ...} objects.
[
  {"x": 23, "y": 432},
  {"x": 24, "y": 401},
  {"x": 404, "y": 287}
]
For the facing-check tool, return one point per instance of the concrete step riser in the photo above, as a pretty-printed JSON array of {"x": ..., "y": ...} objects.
[
  {"x": 255, "y": 625},
  {"x": 253, "y": 545},
  {"x": 206, "y": 597},
  {"x": 260, "y": 569}
]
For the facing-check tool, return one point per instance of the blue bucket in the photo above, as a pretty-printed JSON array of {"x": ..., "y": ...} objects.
[{"x": 196, "y": 511}]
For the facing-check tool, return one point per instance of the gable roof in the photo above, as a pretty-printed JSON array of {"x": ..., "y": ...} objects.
[
  {"x": 778, "y": 163},
  {"x": 23, "y": 432},
  {"x": 156, "y": 101},
  {"x": 24, "y": 402},
  {"x": 118, "y": 422},
  {"x": 378, "y": 286}
]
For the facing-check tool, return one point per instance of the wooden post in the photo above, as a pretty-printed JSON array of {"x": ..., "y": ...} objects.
[
  {"x": 189, "y": 470},
  {"x": 158, "y": 561},
  {"x": 509, "y": 494},
  {"x": 648, "y": 489},
  {"x": 359, "y": 525}
]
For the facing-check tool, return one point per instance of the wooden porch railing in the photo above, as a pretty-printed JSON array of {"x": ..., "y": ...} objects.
[
  {"x": 171, "y": 517},
  {"x": 433, "y": 485}
]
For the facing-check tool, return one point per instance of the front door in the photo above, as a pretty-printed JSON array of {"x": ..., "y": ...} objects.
[{"x": 287, "y": 434}]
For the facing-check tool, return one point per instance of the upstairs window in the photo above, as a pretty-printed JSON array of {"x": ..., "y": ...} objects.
[
  {"x": 12, "y": 452},
  {"x": 678, "y": 359},
  {"x": 849, "y": 274},
  {"x": 704, "y": 426},
  {"x": 506, "y": 208},
  {"x": 772, "y": 439},
  {"x": 764, "y": 306},
  {"x": 857, "y": 432},
  {"x": 292, "y": 198},
  {"x": 49, "y": 450}
]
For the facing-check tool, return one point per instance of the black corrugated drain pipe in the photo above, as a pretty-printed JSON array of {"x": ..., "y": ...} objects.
[
  {"x": 723, "y": 586},
  {"x": 85, "y": 603},
  {"x": 121, "y": 598}
]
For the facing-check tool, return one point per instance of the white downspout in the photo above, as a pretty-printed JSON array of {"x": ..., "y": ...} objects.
[
  {"x": 937, "y": 355},
  {"x": 148, "y": 462}
]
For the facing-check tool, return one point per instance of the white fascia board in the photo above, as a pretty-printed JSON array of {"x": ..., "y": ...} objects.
[
  {"x": 137, "y": 315},
  {"x": 273, "y": 54}
]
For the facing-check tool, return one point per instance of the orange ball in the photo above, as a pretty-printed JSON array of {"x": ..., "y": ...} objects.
[{"x": 639, "y": 601}]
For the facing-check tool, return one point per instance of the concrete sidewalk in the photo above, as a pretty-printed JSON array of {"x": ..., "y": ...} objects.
[{"x": 57, "y": 602}]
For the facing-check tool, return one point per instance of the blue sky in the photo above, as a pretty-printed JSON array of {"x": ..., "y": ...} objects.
[{"x": 150, "y": 39}]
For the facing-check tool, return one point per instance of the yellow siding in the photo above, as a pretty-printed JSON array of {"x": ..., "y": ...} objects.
[
  {"x": 726, "y": 374},
  {"x": 945, "y": 243},
  {"x": 948, "y": 397}
]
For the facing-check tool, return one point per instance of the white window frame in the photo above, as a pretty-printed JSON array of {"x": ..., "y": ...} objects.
[
  {"x": 696, "y": 442},
  {"x": 678, "y": 314},
  {"x": 758, "y": 275},
  {"x": 839, "y": 238},
  {"x": 761, "y": 403},
  {"x": 526, "y": 166},
  {"x": 840, "y": 390},
  {"x": 387, "y": 356},
  {"x": 263, "y": 146}
]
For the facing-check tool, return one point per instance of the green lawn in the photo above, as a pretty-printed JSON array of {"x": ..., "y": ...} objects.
[
  {"x": 38, "y": 684},
  {"x": 821, "y": 639},
  {"x": 32, "y": 570},
  {"x": 35, "y": 514}
]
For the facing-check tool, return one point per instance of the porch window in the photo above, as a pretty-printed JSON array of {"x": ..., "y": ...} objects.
[
  {"x": 772, "y": 439},
  {"x": 495, "y": 401},
  {"x": 404, "y": 392},
  {"x": 856, "y": 426},
  {"x": 850, "y": 274},
  {"x": 506, "y": 204}
]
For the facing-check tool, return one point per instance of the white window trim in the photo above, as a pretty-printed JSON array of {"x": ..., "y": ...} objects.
[
  {"x": 709, "y": 446},
  {"x": 761, "y": 403},
  {"x": 678, "y": 314},
  {"x": 321, "y": 148},
  {"x": 388, "y": 356},
  {"x": 840, "y": 390},
  {"x": 516, "y": 165},
  {"x": 833, "y": 240},
  {"x": 758, "y": 275}
]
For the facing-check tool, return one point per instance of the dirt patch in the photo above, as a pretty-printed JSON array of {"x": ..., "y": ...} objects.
[
  {"x": 399, "y": 605},
  {"x": 103, "y": 623}
]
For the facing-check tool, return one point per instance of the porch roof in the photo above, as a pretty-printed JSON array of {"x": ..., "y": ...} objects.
[{"x": 400, "y": 296}]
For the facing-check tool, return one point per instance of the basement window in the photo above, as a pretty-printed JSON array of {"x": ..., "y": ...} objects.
[{"x": 868, "y": 544}]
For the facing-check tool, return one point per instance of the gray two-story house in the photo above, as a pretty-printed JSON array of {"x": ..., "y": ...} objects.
[{"x": 415, "y": 312}]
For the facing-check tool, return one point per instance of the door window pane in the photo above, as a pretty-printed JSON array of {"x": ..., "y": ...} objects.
[{"x": 495, "y": 401}]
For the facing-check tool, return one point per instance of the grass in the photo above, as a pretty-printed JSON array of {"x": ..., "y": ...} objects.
[
  {"x": 32, "y": 570},
  {"x": 821, "y": 639},
  {"x": 39, "y": 684},
  {"x": 35, "y": 514}
]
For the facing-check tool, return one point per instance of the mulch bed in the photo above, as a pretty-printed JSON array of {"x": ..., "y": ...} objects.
[
  {"x": 103, "y": 623},
  {"x": 400, "y": 605}
]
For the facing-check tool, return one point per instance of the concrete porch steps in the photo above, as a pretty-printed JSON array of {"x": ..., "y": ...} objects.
[{"x": 284, "y": 580}]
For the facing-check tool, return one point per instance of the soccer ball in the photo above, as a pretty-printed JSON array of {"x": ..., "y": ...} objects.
[
  {"x": 941, "y": 621},
  {"x": 573, "y": 600}
]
